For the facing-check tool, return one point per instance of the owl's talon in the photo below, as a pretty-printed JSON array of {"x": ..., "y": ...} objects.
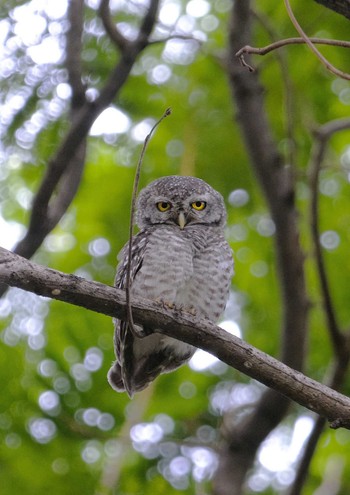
[
  {"x": 180, "y": 308},
  {"x": 165, "y": 304},
  {"x": 191, "y": 310}
]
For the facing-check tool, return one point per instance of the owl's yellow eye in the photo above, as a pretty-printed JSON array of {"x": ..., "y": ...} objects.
[
  {"x": 163, "y": 206},
  {"x": 199, "y": 205}
]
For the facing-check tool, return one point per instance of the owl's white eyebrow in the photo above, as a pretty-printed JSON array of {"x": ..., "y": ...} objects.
[{"x": 163, "y": 201}]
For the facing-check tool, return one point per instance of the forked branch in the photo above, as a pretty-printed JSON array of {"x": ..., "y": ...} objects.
[
  {"x": 65, "y": 168},
  {"x": 322, "y": 58}
]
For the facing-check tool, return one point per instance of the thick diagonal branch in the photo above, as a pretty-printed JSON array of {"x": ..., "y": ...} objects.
[{"x": 19, "y": 272}]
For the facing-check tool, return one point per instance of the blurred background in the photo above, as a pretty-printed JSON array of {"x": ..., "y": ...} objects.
[{"x": 62, "y": 428}]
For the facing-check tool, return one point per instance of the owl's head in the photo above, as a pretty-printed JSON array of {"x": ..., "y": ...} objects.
[{"x": 180, "y": 201}]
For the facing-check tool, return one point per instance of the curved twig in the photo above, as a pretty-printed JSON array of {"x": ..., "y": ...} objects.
[
  {"x": 111, "y": 29},
  {"x": 323, "y": 60},
  {"x": 291, "y": 41},
  {"x": 322, "y": 136},
  {"x": 285, "y": 42},
  {"x": 132, "y": 221}
]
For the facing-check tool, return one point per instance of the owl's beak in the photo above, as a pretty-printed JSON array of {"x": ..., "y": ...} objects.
[{"x": 181, "y": 220}]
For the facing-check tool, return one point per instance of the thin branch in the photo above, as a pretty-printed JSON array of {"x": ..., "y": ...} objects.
[
  {"x": 47, "y": 208},
  {"x": 19, "y": 272},
  {"x": 281, "y": 43},
  {"x": 175, "y": 36},
  {"x": 323, "y": 60},
  {"x": 339, "y": 339},
  {"x": 132, "y": 220},
  {"x": 73, "y": 53},
  {"x": 110, "y": 27},
  {"x": 322, "y": 136}
]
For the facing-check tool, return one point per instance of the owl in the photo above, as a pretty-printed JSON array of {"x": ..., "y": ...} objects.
[{"x": 179, "y": 257}]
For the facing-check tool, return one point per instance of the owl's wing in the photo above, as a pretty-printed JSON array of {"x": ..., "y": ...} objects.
[
  {"x": 139, "y": 243},
  {"x": 120, "y": 374}
]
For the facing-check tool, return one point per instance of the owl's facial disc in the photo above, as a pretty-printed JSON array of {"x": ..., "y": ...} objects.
[{"x": 181, "y": 213}]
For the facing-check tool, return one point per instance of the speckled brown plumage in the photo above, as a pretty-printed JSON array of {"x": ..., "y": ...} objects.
[{"x": 185, "y": 262}]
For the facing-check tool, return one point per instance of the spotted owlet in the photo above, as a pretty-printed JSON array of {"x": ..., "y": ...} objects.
[{"x": 180, "y": 256}]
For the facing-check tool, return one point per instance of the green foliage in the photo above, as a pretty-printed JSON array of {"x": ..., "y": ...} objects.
[{"x": 61, "y": 426}]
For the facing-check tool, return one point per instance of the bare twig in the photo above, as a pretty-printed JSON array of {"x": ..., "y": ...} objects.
[
  {"x": 132, "y": 219},
  {"x": 175, "y": 36},
  {"x": 323, "y": 60},
  {"x": 19, "y": 272},
  {"x": 68, "y": 184},
  {"x": 281, "y": 43}
]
